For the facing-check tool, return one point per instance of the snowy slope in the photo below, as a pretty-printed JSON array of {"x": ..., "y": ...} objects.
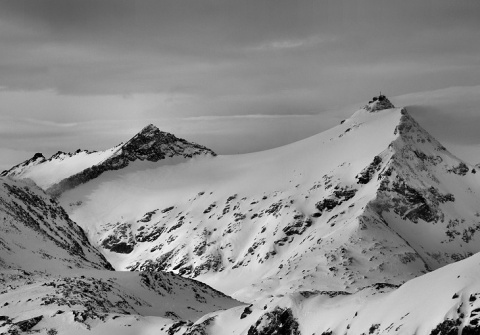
[
  {"x": 103, "y": 302},
  {"x": 37, "y": 234},
  {"x": 445, "y": 301},
  {"x": 375, "y": 199}
]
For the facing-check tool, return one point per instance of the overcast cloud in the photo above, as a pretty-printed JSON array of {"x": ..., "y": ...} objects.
[{"x": 71, "y": 67}]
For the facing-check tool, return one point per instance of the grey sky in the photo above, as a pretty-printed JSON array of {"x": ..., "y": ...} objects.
[{"x": 70, "y": 67}]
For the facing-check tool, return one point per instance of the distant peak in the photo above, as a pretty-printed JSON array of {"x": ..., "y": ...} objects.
[
  {"x": 37, "y": 158},
  {"x": 378, "y": 103}
]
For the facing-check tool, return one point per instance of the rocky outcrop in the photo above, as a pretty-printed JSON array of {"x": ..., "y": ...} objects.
[
  {"x": 378, "y": 103},
  {"x": 339, "y": 196},
  {"x": 26, "y": 325},
  {"x": 279, "y": 322},
  {"x": 454, "y": 327},
  {"x": 366, "y": 174},
  {"x": 120, "y": 240}
]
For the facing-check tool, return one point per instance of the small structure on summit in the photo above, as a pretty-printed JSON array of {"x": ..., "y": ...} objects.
[{"x": 378, "y": 103}]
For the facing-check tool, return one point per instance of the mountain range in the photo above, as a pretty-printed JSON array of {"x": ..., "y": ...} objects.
[{"x": 370, "y": 227}]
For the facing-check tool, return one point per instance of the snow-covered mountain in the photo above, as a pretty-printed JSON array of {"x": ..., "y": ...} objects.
[
  {"x": 375, "y": 199},
  {"x": 66, "y": 170},
  {"x": 366, "y": 228}
]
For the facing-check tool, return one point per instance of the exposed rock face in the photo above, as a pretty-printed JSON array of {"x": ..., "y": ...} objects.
[
  {"x": 120, "y": 240},
  {"x": 150, "y": 144}
]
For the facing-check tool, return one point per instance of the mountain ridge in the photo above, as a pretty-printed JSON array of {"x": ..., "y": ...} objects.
[{"x": 72, "y": 169}]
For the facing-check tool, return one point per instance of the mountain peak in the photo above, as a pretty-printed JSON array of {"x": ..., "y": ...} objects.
[
  {"x": 149, "y": 129},
  {"x": 378, "y": 103},
  {"x": 148, "y": 139}
]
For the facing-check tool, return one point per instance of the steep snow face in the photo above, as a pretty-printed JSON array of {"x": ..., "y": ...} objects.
[
  {"x": 37, "y": 234},
  {"x": 375, "y": 199},
  {"x": 427, "y": 196},
  {"x": 66, "y": 170}
]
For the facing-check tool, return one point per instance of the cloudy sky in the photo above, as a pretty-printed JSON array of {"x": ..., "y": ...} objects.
[{"x": 237, "y": 76}]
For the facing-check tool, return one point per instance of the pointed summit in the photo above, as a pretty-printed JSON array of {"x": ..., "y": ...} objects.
[
  {"x": 152, "y": 144},
  {"x": 150, "y": 129},
  {"x": 378, "y": 103}
]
